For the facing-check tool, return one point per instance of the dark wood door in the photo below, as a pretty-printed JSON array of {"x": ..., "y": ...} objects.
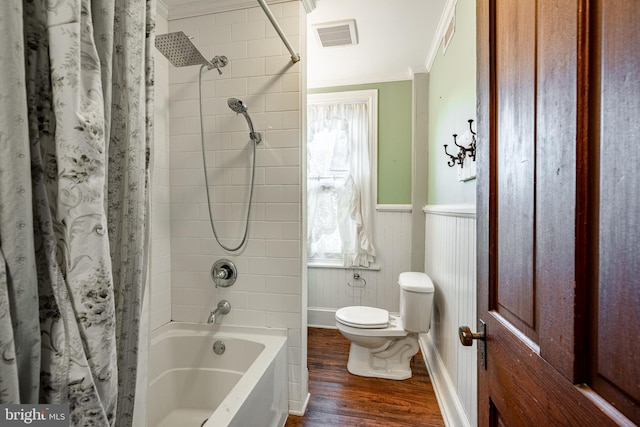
[{"x": 558, "y": 201}]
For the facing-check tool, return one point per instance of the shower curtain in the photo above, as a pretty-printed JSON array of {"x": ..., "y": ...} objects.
[{"x": 76, "y": 85}]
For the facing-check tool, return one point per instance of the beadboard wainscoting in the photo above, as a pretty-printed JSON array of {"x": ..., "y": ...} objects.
[
  {"x": 450, "y": 261},
  {"x": 333, "y": 288}
]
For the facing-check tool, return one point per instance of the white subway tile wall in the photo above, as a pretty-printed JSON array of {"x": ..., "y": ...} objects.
[{"x": 268, "y": 290}]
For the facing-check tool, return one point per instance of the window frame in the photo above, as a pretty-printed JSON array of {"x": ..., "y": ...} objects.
[{"x": 370, "y": 97}]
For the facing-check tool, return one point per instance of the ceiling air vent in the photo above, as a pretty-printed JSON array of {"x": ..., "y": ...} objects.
[{"x": 337, "y": 33}]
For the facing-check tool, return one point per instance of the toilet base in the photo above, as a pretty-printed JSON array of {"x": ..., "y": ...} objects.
[{"x": 391, "y": 361}]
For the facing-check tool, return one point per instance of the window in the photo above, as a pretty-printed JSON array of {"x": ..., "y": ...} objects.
[{"x": 341, "y": 177}]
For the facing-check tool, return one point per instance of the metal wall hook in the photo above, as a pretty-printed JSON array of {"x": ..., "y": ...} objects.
[
  {"x": 462, "y": 151},
  {"x": 472, "y": 147},
  {"x": 458, "y": 158}
]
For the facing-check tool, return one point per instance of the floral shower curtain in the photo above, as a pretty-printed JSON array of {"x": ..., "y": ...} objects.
[{"x": 76, "y": 81}]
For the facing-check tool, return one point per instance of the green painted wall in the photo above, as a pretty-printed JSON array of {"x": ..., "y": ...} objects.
[
  {"x": 452, "y": 101},
  {"x": 394, "y": 138}
]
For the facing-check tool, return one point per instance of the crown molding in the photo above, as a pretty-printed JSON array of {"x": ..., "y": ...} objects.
[
  {"x": 353, "y": 81},
  {"x": 179, "y": 9},
  {"x": 447, "y": 13},
  {"x": 309, "y": 5},
  {"x": 162, "y": 9}
]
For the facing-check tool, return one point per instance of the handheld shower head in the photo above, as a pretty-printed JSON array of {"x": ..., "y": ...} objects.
[{"x": 239, "y": 107}]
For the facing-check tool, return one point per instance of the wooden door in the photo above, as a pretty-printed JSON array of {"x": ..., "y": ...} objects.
[{"x": 558, "y": 201}]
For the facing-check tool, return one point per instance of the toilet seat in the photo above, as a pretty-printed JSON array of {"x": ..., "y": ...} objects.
[
  {"x": 394, "y": 329},
  {"x": 363, "y": 317}
]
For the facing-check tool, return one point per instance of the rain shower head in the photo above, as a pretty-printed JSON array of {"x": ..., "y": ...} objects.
[
  {"x": 179, "y": 50},
  {"x": 239, "y": 107}
]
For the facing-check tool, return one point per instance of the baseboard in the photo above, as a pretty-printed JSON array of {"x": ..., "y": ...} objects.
[
  {"x": 448, "y": 400},
  {"x": 321, "y": 318},
  {"x": 300, "y": 412}
]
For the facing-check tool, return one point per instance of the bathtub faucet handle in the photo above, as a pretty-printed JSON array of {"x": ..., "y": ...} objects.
[
  {"x": 223, "y": 308},
  {"x": 222, "y": 273}
]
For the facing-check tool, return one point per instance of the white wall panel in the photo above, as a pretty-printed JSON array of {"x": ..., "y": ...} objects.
[
  {"x": 329, "y": 289},
  {"x": 450, "y": 260}
]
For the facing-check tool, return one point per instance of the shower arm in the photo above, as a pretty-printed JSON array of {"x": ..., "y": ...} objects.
[{"x": 294, "y": 56}]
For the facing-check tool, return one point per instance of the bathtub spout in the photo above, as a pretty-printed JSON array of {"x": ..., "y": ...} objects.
[{"x": 223, "y": 308}]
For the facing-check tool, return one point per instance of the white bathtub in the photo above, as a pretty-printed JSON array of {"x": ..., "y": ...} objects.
[{"x": 189, "y": 383}]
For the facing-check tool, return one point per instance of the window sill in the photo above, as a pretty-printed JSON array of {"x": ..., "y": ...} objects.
[{"x": 337, "y": 264}]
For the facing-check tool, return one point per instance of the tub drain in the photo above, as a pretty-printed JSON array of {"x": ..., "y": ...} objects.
[
  {"x": 219, "y": 348},
  {"x": 205, "y": 420}
]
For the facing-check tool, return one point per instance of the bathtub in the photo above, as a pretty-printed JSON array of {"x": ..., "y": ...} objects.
[{"x": 189, "y": 383}]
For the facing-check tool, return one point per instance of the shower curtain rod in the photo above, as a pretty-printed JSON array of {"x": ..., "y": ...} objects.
[{"x": 294, "y": 56}]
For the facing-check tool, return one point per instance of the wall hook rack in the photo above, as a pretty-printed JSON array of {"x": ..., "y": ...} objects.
[{"x": 459, "y": 157}]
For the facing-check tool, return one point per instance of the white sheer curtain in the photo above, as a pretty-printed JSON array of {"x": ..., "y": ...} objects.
[{"x": 340, "y": 191}]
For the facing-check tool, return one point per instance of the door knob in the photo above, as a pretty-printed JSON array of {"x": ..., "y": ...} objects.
[{"x": 467, "y": 337}]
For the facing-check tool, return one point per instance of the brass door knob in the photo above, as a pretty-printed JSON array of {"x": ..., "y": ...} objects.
[{"x": 467, "y": 337}]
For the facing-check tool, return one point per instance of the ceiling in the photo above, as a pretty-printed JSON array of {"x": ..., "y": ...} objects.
[{"x": 395, "y": 38}]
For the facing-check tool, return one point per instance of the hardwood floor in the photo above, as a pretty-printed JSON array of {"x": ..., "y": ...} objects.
[{"x": 339, "y": 398}]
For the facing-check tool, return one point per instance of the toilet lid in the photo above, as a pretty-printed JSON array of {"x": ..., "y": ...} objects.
[{"x": 363, "y": 317}]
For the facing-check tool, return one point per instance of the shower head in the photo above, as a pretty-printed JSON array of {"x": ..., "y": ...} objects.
[
  {"x": 239, "y": 107},
  {"x": 179, "y": 50}
]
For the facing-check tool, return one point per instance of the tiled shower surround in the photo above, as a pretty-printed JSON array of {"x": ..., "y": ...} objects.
[{"x": 268, "y": 291}]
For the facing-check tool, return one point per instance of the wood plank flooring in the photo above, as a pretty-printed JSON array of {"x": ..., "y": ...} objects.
[{"x": 339, "y": 398}]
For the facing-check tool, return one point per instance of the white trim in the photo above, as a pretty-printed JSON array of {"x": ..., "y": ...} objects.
[
  {"x": 367, "y": 95},
  {"x": 445, "y": 18},
  {"x": 462, "y": 210},
  {"x": 323, "y": 263},
  {"x": 300, "y": 412},
  {"x": 450, "y": 406},
  {"x": 394, "y": 208},
  {"x": 320, "y": 84},
  {"x": 309, "y": 5},
  {"x": 162, "y": 9},
  {"x": 417, "y": 70},
  {"x": 321, "y": 318},
  {"x": 179, "y": 9}
]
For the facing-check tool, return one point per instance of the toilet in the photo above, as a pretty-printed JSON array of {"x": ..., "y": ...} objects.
[{"x": 382, "y": 344}]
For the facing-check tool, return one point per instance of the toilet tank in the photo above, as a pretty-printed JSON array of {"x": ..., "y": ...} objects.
[{"x": 416, "y": 301}]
